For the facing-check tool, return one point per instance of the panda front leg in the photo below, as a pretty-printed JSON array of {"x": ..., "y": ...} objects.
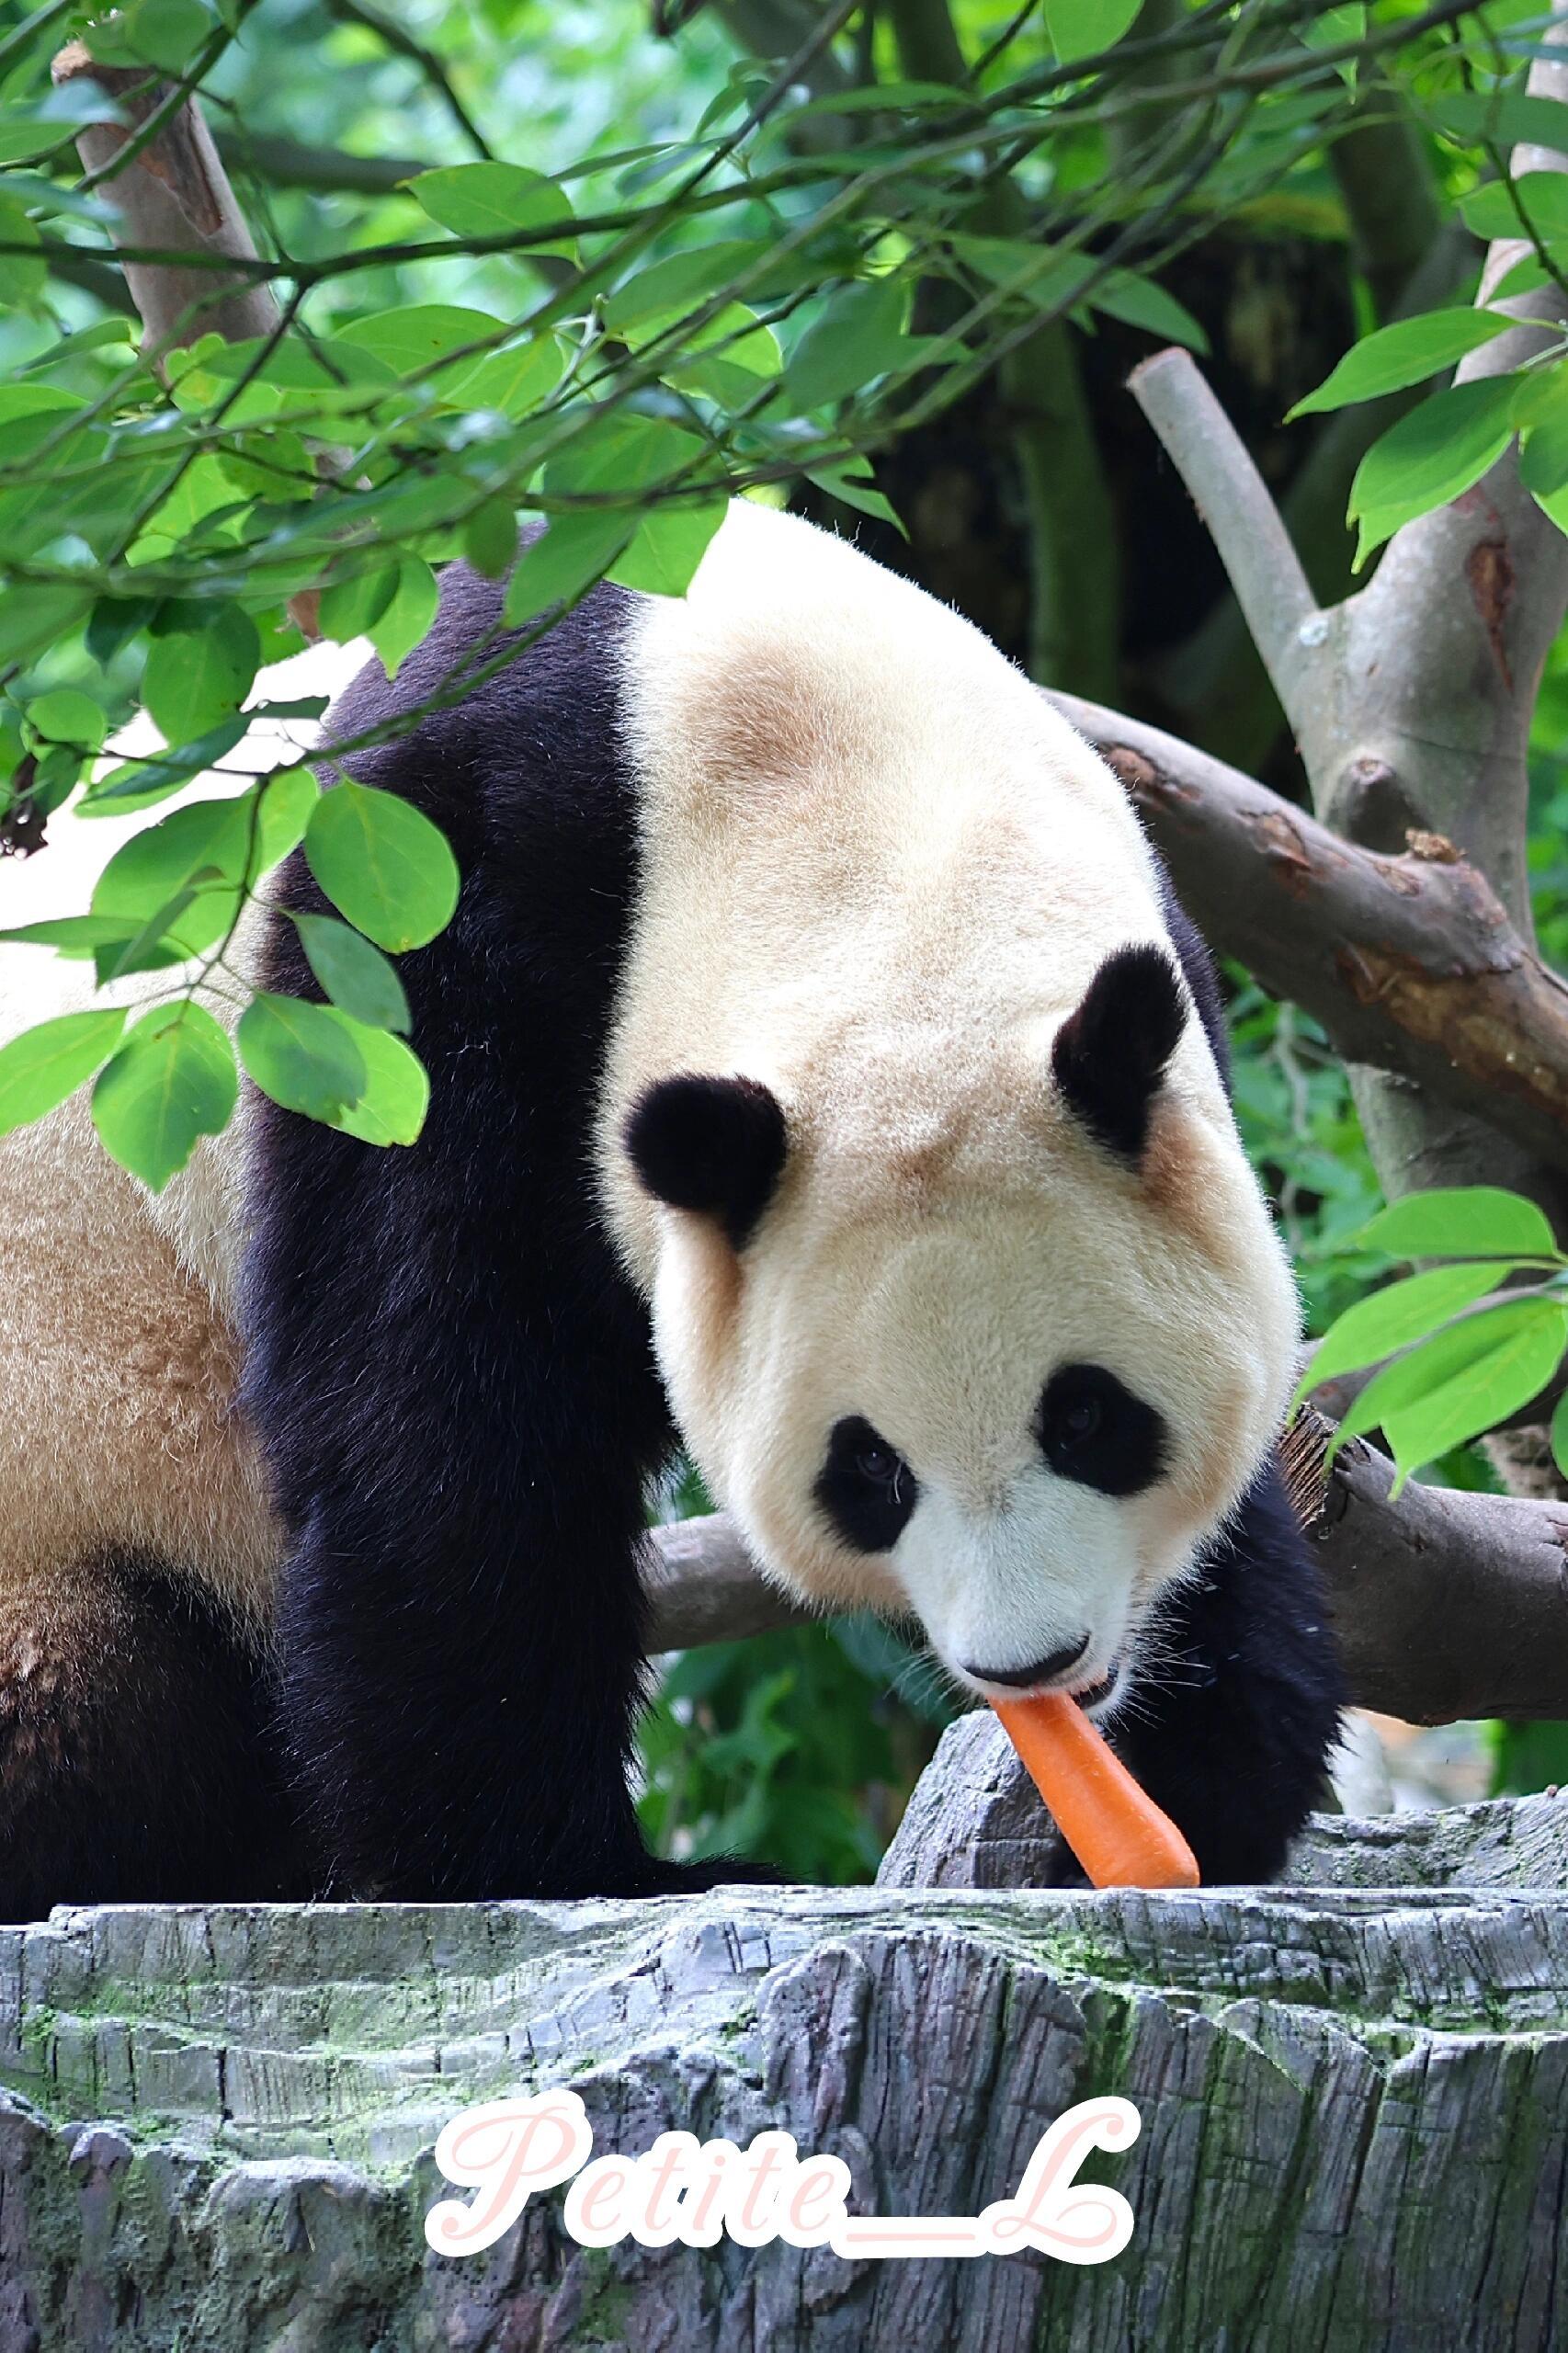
[
  {"x": 1229, "y": 1726},
  {"x": 459, "y": 1408}
]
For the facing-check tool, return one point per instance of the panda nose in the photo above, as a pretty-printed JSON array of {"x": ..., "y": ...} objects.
[{"x": 1044, "y": 1670}]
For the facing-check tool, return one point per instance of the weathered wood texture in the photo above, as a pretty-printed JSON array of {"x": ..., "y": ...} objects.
[{"x": 218, "y": 2125}]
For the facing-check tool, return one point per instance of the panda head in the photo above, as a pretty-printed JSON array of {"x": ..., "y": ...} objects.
[{"x": 994, "y": 1331}]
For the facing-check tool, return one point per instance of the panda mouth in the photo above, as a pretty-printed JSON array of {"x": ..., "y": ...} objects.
[{"x": 1095, "y": 1695}]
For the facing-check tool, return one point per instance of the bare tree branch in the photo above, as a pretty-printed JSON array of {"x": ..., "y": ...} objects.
[
  {"x": 703, "y": 1587},
  {"x": 1447, "y": 1605},
  {"x": 1244, "y": 522},
  {"x": 429, "y": 67},
  {"x": 173, "y": 193},
  {"x": 325, "y": 171},
  {"x": 1214, "y": 681},
  {"x": 1412, "y": 700},
  {"x": 1409, "y": 962}
]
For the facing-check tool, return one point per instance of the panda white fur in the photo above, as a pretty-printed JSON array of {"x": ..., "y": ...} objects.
[{"x": 822, "y": 1075}]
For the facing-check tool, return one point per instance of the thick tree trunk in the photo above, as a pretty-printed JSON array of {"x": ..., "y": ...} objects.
[{"x": 217, "y": 2126}]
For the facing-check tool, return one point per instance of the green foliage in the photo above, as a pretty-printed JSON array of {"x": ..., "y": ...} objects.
[
  {"x": 1462, "y": 1367},
  {"x": 702, "y": 279},
  {"x": 382, "y": 864},
  {"x": 172, "y": 1081},
  {"x": 796, "y": 1748},
  {"x": 45, "y": 1064},
  {"x": 355, "y": 976}
]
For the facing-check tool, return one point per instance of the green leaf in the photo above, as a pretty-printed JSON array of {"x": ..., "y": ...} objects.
[
  {"x": 489, "y": 537},
  {"x": 1500, "y": 118},
  {"x": 213, "y": 848},
  {"x": 1429, "y": 457},
  {"x": 666, "y": 547},
  {"x": 22, "y": 279},
  {"x": 622, "y": 455},
  {"x": 406, "y": 618},
  {"x": 171, "y": 1083},
  {"x": 733, "y": 345},
  {"x": 199, "y": 670},
  {"x": 1492, "y": 1385},
  {"x": 288, "y": 802},
  {"x": 162, "y": 32},
  {"x": 349, "y": 607},
  {"x": 667, "y": 289},
  {"x": 564, "y": 561},
  {"x": 860, "y": 336},
  {"x": 48, "y": 612},
  {"x": 384, "y": 865},
  {"x": 415, "y": 340},
  {"x": 1140, "y": 302},
  {"x": 1462, "y": 1381},
  {"x": 1405, "y": 353},
  {"x": 513, "y": 381},
  {"x": 36, "y": 400},
  {"x": 1560, "y": 1434},
  {"x": 304, "y": 1056},
  {"x": 490, "y": 199},
  {"x": 45, "y": 1064},
  {"x": 840, "y": 482},
  {"x": 355, "y": 976},
  {"x": 71, "y": 935},
  {"x": 396, "y": 1095},
  {"x": 149, "y": 948},
  {"x": 1392, "y": 1318},
  {"x": 1080, "y": 28},
  {"x": 1542, "y": 197},
  {"x": 65, "y": 715},
  {"x": 142, "y": 782},
  {"x": 1461, "y": 1221}
]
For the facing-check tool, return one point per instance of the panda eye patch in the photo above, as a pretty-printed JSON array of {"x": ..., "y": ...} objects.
[
  {"x": 865, "y": 1486},
  {"x": 1092, "y": 1429}
]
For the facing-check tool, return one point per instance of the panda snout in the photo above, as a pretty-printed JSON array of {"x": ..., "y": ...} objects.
[{"x": 1038, "y": 1675}]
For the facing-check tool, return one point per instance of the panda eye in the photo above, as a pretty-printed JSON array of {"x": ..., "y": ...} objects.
[
  {"x": 1092, "y": 1429},
  {"x": 878, "y": 1464},
  {"x": 1080, "y": 1421},
  {"x": 865, "y": 1487}
]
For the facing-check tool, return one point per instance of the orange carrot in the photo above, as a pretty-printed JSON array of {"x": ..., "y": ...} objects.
[{"x": 1118, "y": 1834}]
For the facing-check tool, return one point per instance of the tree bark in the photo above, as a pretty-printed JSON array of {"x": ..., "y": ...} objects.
[
  {"x": 172, "y": 192},
  {"x": 1412, "y": 700},
  {"x": 217, "y": 2125}
]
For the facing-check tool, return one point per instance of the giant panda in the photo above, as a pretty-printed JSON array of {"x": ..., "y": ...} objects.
[{"x": 824, "y": 1079}]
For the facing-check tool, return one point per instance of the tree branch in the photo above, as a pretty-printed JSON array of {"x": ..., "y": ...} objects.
[
  {"x": 1412, "y": 700},
  {"x": 1409, "y": 962},
  {"x": 173, "y": 194},
  {"x": 426, "y": 64},
  {"x": 1243, "y": 520},
  {"x": 1447, "y": 1605},
  {"x": 325, "y": 171},
  {"x": 703, "y": 1587},
  {"x": 1214, "y": 682}
]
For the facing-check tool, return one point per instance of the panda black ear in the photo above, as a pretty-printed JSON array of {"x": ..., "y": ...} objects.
[
  {"x": 715, "y": 1145},
  {"x": 1110, "y": 1057}
]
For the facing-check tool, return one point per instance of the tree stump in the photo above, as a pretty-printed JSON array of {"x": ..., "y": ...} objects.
[{"x": 217, "y": 2125}]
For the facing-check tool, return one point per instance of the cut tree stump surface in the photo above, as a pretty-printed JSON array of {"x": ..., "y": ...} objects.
[{"x": 216, "y": 2126}]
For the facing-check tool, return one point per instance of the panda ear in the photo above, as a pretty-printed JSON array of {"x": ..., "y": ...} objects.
[
  {"x": 1108, "y": 1058},
  {"x": 713, "y": 1146}
]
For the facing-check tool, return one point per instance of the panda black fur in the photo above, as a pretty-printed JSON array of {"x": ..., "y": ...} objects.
[{"x": 677, "y": 1036}]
